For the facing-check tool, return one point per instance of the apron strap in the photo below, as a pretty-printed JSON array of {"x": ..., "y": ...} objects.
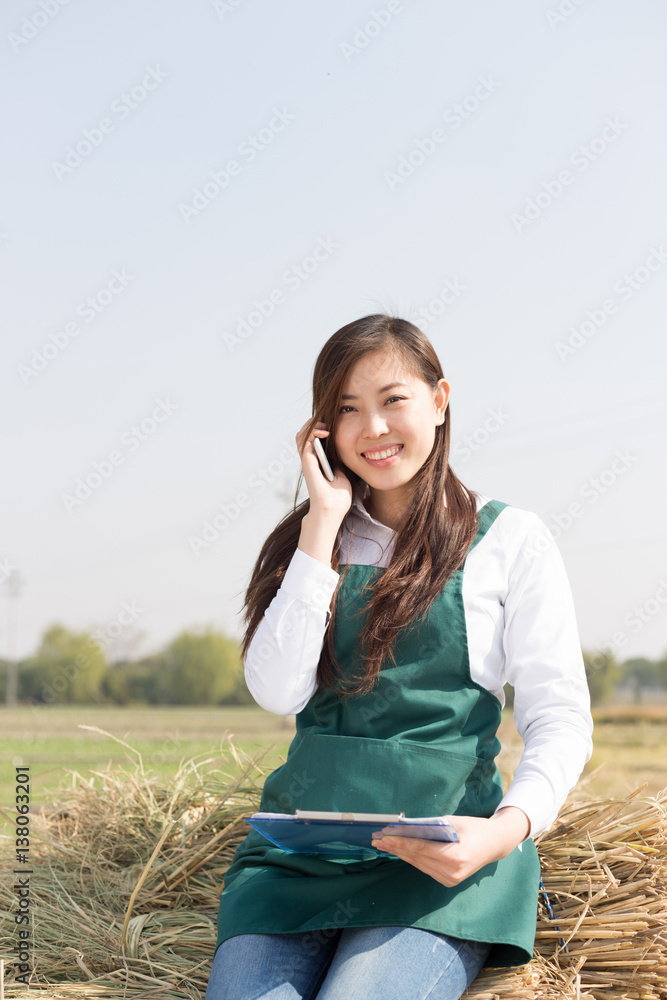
[{"x": 485, "y": 518}]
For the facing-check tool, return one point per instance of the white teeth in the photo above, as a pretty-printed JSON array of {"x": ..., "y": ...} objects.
[{"x": 383, "y": 454}]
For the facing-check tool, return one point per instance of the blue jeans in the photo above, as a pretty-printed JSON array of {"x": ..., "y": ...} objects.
[{"x": 354, "y": 963}]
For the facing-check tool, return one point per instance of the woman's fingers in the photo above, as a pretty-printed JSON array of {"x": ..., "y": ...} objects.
[
  {"x": 319, "y": 430},
  {"x": 480, "y": 843},
  {"x": 430, "y": 856},
  {"x": 325, "y": 496}
]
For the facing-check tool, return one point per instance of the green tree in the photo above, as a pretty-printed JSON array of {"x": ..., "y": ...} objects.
[
  {"x": 142, "y": 677},
  {"x": 197, "y": 668},
  {"x": 602, "y": 673},
  {"x": 67, "y": 669},
  {"x": 241, "y": 695},
  {"x": 661, "y": 670},
  {"x": 116, "y": 684}
]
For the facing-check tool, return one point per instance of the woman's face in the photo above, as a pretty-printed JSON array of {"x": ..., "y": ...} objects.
[{"x": 377, "y": 416}]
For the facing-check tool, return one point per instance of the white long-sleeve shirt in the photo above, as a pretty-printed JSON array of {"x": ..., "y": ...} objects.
[{"x": 521, "y": 627}]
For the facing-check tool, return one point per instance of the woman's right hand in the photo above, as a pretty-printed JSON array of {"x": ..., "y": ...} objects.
[{"x": 328, "y": 498}]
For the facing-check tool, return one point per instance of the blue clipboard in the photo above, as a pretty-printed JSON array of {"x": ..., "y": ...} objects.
[{"x": 345, "y": 833}]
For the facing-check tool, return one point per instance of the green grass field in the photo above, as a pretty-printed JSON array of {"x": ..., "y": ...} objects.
[
  {"x": 52, "y": 742},
  {"x": 630, "y": 745}
]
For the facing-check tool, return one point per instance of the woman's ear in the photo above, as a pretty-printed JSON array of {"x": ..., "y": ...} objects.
[{"x": 441, "y": 399}]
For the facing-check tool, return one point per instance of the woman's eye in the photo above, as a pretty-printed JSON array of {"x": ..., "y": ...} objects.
[{"x": 343, "y": 408}]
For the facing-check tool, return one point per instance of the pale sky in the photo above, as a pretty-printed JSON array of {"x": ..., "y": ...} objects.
[{"x": 504, "y": 162}]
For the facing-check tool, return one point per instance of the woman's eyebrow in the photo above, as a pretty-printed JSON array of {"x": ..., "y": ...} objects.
[{"x": 385, "y": 388}]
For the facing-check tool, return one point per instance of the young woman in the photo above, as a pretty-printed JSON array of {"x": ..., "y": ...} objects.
[{"x": 387, "y": 611}]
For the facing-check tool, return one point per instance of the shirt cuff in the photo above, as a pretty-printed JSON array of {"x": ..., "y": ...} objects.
[
  {"x": 535, "y": 801},
  {"x": 310, "y": 580}
]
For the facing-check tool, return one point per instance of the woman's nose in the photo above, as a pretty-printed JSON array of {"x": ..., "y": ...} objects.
[{"x": 374, "y": 424}]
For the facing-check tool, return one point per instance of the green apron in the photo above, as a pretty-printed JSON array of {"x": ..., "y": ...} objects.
[{"x": 422, "y": 742}]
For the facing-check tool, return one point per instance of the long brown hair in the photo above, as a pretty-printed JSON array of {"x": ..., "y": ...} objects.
[{"x": 432, "y": 541}]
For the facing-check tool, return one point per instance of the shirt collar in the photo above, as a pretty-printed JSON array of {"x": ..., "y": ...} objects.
[{"x": 360, "y": 493}]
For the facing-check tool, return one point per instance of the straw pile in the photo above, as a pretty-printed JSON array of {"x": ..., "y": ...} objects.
[
  {"x": 604, "y": 867},
  {"x": 127, "y": 871}
]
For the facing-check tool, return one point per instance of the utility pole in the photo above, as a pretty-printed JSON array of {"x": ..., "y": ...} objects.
[{"x": 14, "y": 585}]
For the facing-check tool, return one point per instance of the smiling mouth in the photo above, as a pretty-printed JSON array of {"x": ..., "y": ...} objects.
[{"x": 383, "y": 453}]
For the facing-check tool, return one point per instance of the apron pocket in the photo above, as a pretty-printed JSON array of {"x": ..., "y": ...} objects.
[{"x": 358, "y": 774}]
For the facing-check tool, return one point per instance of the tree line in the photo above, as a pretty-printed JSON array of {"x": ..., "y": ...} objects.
[
  {"x": 198, "y": 667},
  {"x": 204, "y": 667}
]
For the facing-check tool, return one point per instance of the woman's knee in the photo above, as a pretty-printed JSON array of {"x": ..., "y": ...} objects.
[
  {"x": 249, "y": 966},
  {"x": 391, "y": 963}
]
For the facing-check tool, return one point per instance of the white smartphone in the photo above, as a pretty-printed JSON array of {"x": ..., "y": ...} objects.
[{"x": 324, "y": 461}]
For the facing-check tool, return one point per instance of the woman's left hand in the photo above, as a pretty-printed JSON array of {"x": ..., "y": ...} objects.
[{"x": 481, "y": 841}]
